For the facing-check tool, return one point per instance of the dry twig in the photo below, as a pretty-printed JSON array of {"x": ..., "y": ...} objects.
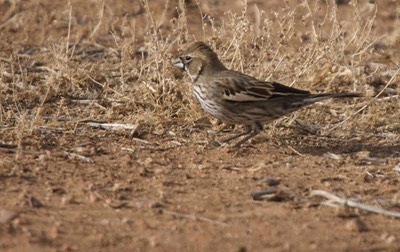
[
  {"x": 195, "y": 218},
  {"x": 335, "y": 200}
]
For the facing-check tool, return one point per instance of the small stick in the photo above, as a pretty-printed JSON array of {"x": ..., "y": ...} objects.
[
  {"x": 100, "y": 20},
  {"x": 15, "y": 150},
  {"x": 335, "y": 199},
  {"x": 79, "y": 157},
  {"x": 7, "y": 146},
  {"x": 295, "y": 151},
  {"x": 195, "y": 218},
  {"x": 141, "y": 141},
  {"x": 69, "y": 26},
  {"x": 113, "y": 126}
]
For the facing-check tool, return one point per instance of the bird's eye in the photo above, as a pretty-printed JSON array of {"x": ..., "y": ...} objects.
[{"x": 188, "y": 58}]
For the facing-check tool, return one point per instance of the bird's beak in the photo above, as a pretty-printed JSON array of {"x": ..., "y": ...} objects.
[{"x": 178, "y": 62}]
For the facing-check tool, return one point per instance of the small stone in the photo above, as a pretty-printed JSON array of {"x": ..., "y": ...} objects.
[
  {"x": 93, "y": 197},
  {"x": 362, "y": 154},
  {"x": 271, "y": 181},
  {"x": 58, "y": 190},
  {"x": 68, "y": 199},
  {"x": 157, "y": 205},
  {"x": 356, "y": 225},
  {"x": 34, "y": 202},
  {"x": 242, "y": 249},
  {"x": 388, "y": 238},
  {"x": 126, "y": 220},
  {"x": 7, "y": 215},
  {"x": 148, "y": 161}
]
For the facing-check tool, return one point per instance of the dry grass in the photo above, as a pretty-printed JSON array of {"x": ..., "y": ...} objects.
[
  {"x": 117, "y": 68},
  {"x": 159, "y": 187}
]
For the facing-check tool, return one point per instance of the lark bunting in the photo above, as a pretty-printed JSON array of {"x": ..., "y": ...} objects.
[{"x": 237, "y": 98}]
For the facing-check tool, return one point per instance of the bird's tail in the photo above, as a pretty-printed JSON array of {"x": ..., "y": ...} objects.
[{"x": 319, "y": 97}]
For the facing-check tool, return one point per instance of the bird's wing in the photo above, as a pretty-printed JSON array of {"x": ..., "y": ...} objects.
[
  {"x": 280, "y": 90},
  {"x": 239, "y": 87}
]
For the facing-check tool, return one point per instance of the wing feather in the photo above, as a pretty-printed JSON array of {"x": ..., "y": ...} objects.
[{"x": 240, "y": 87}]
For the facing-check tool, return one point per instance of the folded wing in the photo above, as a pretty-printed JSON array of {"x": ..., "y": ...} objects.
[{"x": 239, "y": 87}]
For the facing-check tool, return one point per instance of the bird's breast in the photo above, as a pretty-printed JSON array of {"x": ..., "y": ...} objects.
[{"x": 209, "y": 101}]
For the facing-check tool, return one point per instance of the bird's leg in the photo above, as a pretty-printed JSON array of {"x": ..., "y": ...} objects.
[
  {"x": 257, "y": 129},
  {"x": 247, "y": 130}
]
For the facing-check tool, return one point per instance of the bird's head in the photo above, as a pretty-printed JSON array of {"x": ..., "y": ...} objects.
[{"x": 198, "y": 59}]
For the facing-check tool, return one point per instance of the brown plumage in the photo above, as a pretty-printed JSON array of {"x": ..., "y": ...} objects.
[{"x": 237, "y": 98}]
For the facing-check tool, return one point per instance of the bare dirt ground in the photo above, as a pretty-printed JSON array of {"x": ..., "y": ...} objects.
[{"x": 68, "y": 185}]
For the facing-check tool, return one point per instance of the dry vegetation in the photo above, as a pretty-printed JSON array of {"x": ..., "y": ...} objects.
[
  {"x": 67, "y": 65},
  {"x": 119, "y": 67}
]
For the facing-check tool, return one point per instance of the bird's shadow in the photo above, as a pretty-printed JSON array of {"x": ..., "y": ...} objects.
[{"x": 378, "y": 150}]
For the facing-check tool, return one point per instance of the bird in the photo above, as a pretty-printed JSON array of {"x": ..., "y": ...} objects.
[{"x": 237, "y": 98}]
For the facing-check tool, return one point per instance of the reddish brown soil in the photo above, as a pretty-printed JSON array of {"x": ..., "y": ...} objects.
[{"x": 170, "y": 191}]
